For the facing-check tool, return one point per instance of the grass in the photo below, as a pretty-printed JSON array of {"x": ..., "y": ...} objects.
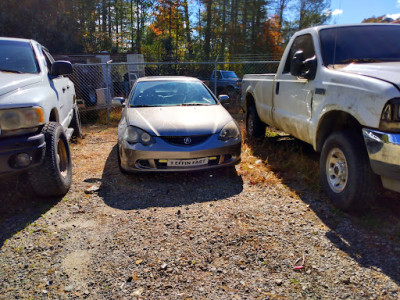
[{"x": 279, "y": 158}]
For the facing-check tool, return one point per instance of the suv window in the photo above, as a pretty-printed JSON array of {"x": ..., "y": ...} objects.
[{"x": 303, "y": 43}]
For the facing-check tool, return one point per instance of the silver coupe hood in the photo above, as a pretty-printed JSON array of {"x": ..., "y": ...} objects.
[
  {"x": 387, "y": 71},
  {"x": 179, "y": 120},
  {"x": 11, "y": 81}
]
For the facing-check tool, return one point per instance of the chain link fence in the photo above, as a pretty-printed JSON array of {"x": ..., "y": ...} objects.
[{"x": 97, "y": 84}]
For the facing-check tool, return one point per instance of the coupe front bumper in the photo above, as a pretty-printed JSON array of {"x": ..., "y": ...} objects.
[{"x": 154, "y": 157}]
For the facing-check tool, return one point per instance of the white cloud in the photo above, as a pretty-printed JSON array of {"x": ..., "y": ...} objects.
[
  {"x": 394, "y": 16},
  {"x": 398, "y": 3},
  {"x": 338, "y": 12}
]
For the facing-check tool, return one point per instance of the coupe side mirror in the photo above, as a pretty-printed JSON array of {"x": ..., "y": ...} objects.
[
  {"x": 118, "y": 102},
  {"x": 224, "y": 99}
]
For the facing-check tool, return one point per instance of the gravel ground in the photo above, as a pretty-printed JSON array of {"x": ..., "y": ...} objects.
[{"x": 203, "y": 235}]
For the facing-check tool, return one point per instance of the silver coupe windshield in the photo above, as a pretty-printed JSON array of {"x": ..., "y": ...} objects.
[
  {"x": 17, "y": 57},
  {"x": 170, "y": 93},
  {"x": 360, "y": 44}
]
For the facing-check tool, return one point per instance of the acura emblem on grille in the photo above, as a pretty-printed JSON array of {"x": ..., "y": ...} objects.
[{"x": 187, "y": 140}]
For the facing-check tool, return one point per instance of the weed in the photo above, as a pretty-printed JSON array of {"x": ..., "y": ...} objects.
[{"x": 295, "y": 281}]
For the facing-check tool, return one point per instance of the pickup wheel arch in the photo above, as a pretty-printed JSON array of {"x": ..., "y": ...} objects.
[
  {"x": 53, "y": 115},
  {"x": 335, "y": 121},
  {"x": 249, "y": 101}
]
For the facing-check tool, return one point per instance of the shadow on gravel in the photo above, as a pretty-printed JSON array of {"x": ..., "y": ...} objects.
[
  {"x": 139, "y": 191},
  {"x": 372, "y": 239},
  {"x": 18, "y": 210}
]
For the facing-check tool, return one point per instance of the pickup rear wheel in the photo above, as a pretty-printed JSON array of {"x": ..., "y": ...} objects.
[
  {"x": 54, "y": 176},
  {"x": 254, "y": 126},
  {"x": 76, "y": 123},
  {"x": 346, "y": 175}
]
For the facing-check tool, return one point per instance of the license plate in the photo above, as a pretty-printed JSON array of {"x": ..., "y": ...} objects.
[{"x": 187, "y": 162}]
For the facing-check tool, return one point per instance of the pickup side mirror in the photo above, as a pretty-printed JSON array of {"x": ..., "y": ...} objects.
[
  {"x": 306, "y": 68},
  {"x": 61, "y": 67},
  {"x": 223, "y": 99},
  {"x": 297, "y": 63}
]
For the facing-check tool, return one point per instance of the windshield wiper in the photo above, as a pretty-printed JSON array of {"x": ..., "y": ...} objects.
[
  {"x": 194, "y": 104},
  {"x": 10, "y": 71}
]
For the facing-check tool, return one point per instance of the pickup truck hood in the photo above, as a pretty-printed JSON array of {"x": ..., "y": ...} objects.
[
  {"x": 179, "y": 120},
  {"x": 387, "y": 71},
  {"x": 10, "y": 82}
]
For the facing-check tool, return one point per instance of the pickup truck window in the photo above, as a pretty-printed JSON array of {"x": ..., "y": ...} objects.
[
  {"x": 360, "y": 44},
  {"x": 303, "y": 43},
  {"x": 17, "y": 57},
  {"x": 49, "y": 59},
  {"x": 229, "y": 74}
]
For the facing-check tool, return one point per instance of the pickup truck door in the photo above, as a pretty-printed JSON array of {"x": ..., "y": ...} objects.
[
  {"x": 62, "y": 88},
  {"x": 293, "y": 96}
]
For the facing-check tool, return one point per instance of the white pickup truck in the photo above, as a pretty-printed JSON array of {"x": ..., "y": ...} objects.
[
  {"x": 37, "y": 107},
  {"x": 338, "y": 89}
]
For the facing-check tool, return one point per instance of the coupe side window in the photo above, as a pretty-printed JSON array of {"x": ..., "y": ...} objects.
[{"x": 303, "y": 43}]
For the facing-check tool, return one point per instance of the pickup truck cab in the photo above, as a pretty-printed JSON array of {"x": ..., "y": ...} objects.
[
  {"x": 37, "y": 107},
  {"x": 225, "y": 81},
  {"x": 338, "y": 89}
]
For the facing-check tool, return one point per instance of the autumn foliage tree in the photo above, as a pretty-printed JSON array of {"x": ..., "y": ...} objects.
[{"x": 162, "y": 29}]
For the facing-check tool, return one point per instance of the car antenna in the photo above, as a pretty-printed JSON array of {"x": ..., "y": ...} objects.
[{"x": 336, "y": 33}]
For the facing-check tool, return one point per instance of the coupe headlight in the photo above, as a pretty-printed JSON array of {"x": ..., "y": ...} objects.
[
  {"x": 134, "y": 135},
  {"x": 230, "y": 131},
  {"x": 390, "y": 118},
  {"x": 19, "y": 118}
]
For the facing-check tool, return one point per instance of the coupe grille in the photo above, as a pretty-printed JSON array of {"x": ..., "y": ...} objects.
[{"x": 186, "y": 140}]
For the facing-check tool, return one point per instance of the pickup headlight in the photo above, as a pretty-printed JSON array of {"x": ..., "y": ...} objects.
[
  {"x": 229, "y": 131},
  {"x": 21, "y": 118},
  {"x": 134, "y": 135},
  {"x": 390, "y": 118}
]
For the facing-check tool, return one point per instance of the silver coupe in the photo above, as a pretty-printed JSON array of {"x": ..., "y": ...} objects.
[{"x": 176, "y": 124}]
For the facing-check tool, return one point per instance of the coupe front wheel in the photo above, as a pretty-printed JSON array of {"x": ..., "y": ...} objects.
[{"x": 346, "y": 175}]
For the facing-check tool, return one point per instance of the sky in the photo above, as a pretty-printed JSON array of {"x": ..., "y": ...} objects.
[{"x": 354, "y": 11}]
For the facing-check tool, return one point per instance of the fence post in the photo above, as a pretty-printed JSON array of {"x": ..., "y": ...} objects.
[
  {"x": 108, "y": 101},
  {"x": 215, "y": 75}
]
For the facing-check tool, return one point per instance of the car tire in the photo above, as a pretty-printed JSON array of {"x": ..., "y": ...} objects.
[
  {"x": 54, "y": 176},
  {"x": 76, "y": 123},
  {"x": 346, "y": 174},
  {"x": 254, "y": 126}
]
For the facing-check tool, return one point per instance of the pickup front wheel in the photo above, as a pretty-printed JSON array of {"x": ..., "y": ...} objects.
[
  {"x": 254, "y": 126},
  {"x": 54, "y": 176},
  {"x": 346, "y": 175}
]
